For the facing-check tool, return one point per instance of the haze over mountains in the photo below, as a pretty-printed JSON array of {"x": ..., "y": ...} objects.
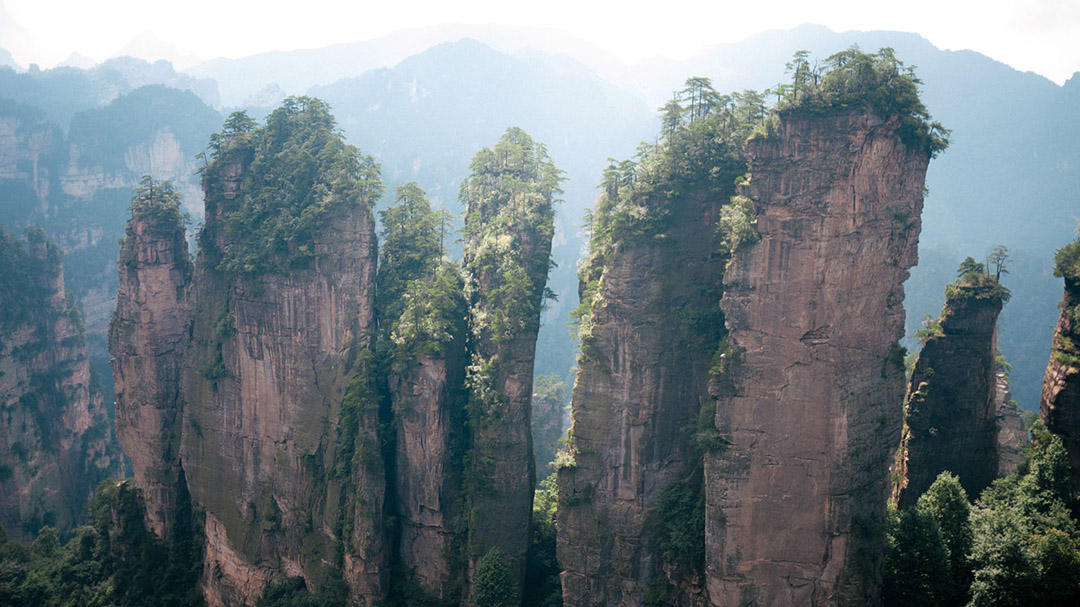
[{"x": 423, "y": 101}]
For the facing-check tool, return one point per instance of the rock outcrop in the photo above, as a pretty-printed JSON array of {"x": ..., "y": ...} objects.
[
  {"x": 148, "y": 338},
  {"x": 796, "y": 501},
  {"x": 630, "y": 515},
  {"x": 1060, "y": 401},
  {"x": 951, "y": 413},
  {"x": 508, "y": 232},
  {"x": 56, "y": 441},
  {"x": 279, "y": 442},
  {"x": 429, "y": 416},
  {"x": 1012, "y": 436}
]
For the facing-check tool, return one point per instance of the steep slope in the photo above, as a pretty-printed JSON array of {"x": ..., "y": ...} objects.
[
  {"x": 1060, "y": 404},
  {"x": 951, "y": 413},
  {"x": 279, "y": 433},
  {"x": 148, "y": 337},
  {"x": 56, "y": 442},
  {"x": 814, "y": 373}
]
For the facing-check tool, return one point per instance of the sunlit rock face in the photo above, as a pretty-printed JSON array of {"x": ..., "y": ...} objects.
[{"x": 795, "y": 504}]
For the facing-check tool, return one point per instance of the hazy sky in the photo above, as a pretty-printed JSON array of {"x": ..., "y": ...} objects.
[{"x": 1035, "y": 35}]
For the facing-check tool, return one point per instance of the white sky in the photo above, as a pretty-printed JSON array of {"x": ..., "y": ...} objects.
[{"x": 1037, "y": 35}]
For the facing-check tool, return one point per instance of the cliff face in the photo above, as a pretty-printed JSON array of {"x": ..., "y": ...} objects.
[
  {"x": 1012, "y": 435},
  {"x": 1060, "y": 401},
  {"x": 56, "y": 442},
  {"x": 951, "y": 412},
  {"x": 795, "y": 502},
  {"x": 284, "y": 461},
  {"x": 429, "y": 424},
  {"x": 639, "y": 389},
  {"x": 148, "y": 338},
  {"x": 508, "y": 232}
]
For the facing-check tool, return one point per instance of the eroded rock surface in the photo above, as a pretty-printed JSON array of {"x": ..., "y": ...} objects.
[
  {"x": 795, "y": 504},
  {"x": 1060, "y": 401},
  {"x": 148, "y": 337},
  {"x": 951, "y": 411},
  {"x": 56, "y": 441}
]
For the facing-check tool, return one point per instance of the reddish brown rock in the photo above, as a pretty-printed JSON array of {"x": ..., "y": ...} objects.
[
  {"x": 795, "y": 504},
  {"x": 641, "y": 382},
  {"x": 148, "y": 337},
  {"x": 1060, "y": 401},
  {"x": 429, "y": 419},
  {"x": 1013, "y": 436},
  {"x": 951, "y": 413}
]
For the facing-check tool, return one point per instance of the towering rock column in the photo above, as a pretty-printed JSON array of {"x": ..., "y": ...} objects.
[
  {"x": 796, "y": 503},
  {"x": 56, "y": 441},
  {"x": 508, "y": 230},
  {"x": 148, "y": 337},
  {"x": 279, "y": 440},
  {"x": 951, "y": 421},
  {"x": 1060, "y": 401}
]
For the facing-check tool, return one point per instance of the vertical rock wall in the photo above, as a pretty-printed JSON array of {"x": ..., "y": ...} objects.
[
  {"x": 264, "y": 437},
  {"x": 641, "y": 383},
  {"x": 429, "y": 414},
  {"x": 951, "y": 412},
  {"x": 56, "y": 441},
  {"x": 1060, "y": 401},
  {"x": 148, "y": 337},
  {"x": 1012, "y": 434},
  {"x": 796, "y": 504}
]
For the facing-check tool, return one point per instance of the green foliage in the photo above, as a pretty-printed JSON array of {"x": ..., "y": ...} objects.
[
  {"x": 1024, "y": 533},
  {"x": 26, "y": 270},
  {"x": 542, "y": 586},
  {"x": 738, "y": 222},
  {"x": 1067, "y": 266},
  {"x": 299, "y": 172},
  {"x": 678, "y": 526},
  {"x": 973, "y": 281},
  {"x": 916, "y": 568},
  {"x": 868, "y": 81},
  {"x": 509, "y": 198},
  {"x": 432, "y": 310},
  {"x": 293, "y": 592},
  {"x": 553, "y": 387},
  {"x": 492, "y": 586},
  {"x": 113, "y": 561},
  {"x": 411, "y": 245},
  {"x": 156, "y": 203},
  {"x": 947, "y": 504}
]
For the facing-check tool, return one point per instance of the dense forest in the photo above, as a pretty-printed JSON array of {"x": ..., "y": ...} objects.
[{"x": 363, "y": 394}]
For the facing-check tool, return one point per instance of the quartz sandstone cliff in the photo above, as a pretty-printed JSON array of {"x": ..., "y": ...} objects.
[
  {"x": 1060, "y": 401},
  {"x": 284, "y": 462},
  {"x": 795, "y": 504},
  {"x": 1013, "y": 436},
  {"x": 951, "y": 413},
  {"x": 148, "y": 337},
  {"x": 508, "y": 232},
  {"x": 429, "y": 423},
  {"x": 642, "y": 381},
  {"x": 56, "y": 441}
]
